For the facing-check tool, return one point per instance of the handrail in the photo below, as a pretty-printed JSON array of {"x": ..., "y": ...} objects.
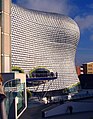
[{"x": 9, "y": 81}]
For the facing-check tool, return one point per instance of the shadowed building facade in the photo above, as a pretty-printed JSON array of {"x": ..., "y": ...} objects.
[{"x": 45, "y": 39}]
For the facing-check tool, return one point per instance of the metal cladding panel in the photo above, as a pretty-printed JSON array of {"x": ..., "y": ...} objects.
[{"x": 45, "y": 39}]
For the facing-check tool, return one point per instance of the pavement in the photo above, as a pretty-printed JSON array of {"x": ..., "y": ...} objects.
[
  {"x": 85, "y": 115},
  {"x": 34, "y": 111}
]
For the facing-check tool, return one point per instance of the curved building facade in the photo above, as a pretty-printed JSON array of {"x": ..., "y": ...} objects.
[{"x": 45, "y": 39}]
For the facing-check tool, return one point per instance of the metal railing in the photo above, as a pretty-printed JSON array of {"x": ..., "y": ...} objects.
[{"x": 14, "y": 88}]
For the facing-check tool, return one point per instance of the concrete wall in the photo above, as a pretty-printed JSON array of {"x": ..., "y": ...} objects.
[{"x": 77, "y": 107}]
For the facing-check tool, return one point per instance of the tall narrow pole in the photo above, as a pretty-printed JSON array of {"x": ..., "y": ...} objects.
[{"x": 5, "y": 36}]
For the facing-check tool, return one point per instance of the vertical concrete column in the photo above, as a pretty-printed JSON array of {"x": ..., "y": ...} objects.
[
  {"x": 0, "y": 48},
  {"x": 0, "y": 29},
  {"x": 6, "y": 37}
]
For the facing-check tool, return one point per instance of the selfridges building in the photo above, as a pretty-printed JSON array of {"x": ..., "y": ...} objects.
[{"x": 45, "y": 39}]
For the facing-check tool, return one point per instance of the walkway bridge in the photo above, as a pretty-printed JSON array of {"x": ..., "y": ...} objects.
[{"x": 34, "y": 83}]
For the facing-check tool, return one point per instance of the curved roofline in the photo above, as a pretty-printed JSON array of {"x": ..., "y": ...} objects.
[
  {"x": 50, "y": 14},
  {"x": 42, "y": 12}
]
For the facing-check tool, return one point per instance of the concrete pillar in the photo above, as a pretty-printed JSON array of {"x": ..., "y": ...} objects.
[
  {"x": 5, "y": 36},
  {"x": 0, "y": 49}
]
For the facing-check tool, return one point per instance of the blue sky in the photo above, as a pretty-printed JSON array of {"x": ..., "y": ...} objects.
[{"x": 79, "y": 10}]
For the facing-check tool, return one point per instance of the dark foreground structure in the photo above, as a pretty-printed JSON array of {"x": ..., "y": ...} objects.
[{"x": 86, "y": 81}]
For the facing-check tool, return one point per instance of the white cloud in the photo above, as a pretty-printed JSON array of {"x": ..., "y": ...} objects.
[
  {"x": 90, "y": 6},
  {"x": 56, "y": 6},
  {"x": 91, "y": 37},
  {"x": 85, "y": 22},
  {"x": 62, "y": 7}
]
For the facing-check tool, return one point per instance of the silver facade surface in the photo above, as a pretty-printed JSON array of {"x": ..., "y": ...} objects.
[{"x": 45, "y": 39}]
